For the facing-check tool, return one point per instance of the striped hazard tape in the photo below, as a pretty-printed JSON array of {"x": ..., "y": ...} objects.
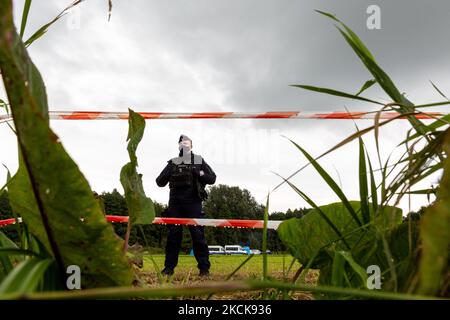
[
  {"x": 95, "y": 115},
  {"x": 217, "y": 223}
]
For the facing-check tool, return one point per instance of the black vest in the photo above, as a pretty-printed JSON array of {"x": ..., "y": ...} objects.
[{"x": 184, "y": 185}]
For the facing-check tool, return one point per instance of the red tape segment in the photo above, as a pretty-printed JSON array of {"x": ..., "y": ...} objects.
[
  {"x": 217, "y": 223},
  {"x": 96, "y": 115}
]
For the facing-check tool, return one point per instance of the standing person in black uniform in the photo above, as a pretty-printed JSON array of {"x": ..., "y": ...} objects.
[{"x": 187, "y": 175}]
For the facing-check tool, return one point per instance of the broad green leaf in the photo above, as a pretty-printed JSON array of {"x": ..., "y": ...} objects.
[
  {"x": 334, "y": 93},
  {"x": 435, "y": 235},
  {"x": 310, "y": 234},
  {"x": 366, "y": 86},
  {"x": 140, "y": 208},
  {"x": 49, "y": 191},
  {"x": 25, "y": 277}
]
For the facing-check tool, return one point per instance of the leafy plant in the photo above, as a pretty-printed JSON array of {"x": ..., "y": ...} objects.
[
  {"x": 342, "y": 239},
  {"x": 49, "y": 191},
  {"x": 140, "y": 208}
]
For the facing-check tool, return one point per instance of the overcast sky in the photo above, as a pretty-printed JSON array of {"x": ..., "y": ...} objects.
[{"x": 229, "y": 56}]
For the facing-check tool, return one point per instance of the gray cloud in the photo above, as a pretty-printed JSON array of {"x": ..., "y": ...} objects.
[{"x": 234, "y": 56}]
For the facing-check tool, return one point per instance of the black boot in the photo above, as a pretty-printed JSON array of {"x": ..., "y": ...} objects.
[
  {"x": 167, "y": 271},
  {"x": 204, "y": 273}
]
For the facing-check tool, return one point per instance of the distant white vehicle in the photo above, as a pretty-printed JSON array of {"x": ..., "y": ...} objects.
[
  {"x": 235, "y": 249},
  {"x": 255, "y": 251},
  {"x": 216, "y": 250}
]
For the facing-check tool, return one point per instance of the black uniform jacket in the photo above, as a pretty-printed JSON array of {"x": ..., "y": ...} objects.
[{"x": 188, "y": 194}]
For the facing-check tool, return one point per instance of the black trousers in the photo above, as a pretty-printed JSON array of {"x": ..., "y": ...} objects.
[{"x": 201, "y": 252}]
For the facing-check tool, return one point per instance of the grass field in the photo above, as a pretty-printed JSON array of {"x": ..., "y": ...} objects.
[{"x": 221, "y": 267}]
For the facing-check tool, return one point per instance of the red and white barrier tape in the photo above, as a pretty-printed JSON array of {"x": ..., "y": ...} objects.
[
  {"x": 95, "y": 115},
  {"x": 218, "y": 223}
]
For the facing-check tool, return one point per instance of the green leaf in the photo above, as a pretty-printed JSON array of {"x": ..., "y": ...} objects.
[
  {"x": 435, "y": 235},
  {"x": 341, "y": 276},
  {"x": 109, "y": 9},
  {"x": 264, "y": 239},
  {"x": 331, "y": 183},
  {"x": 373, "y": 187},
  {"x": 25, "y": 277},
  {"x": 363, "y": 187},
  {"x": 338, "y": 270},
  {"x": 49, "y": 191},
  {"x": 8, "y": 179},
  {"x": 380, "y": 76},
  {"x": 311, "y": 234},
  {"x": 337, "y": 146},
  {"x": 355, "y": 39},
  {"x": 360, "y": 271},
  {"x": 334, "y": 93},
  {"x": 439, "y": 91},
  {"x": 423, "y": 191},
  {"x": 3, "y": 104},
  {"x": 6, "y": 243},
  {"x": 26, "y": 9},
  {"x": 42, "y": 30},
  {"x": 368, "y": 59},
  {"x": 445, "y": 120},
  {"x": 315, "y": 206},
  {"x": 140, "y": 208},
  {"x": 366, "y": 86}
]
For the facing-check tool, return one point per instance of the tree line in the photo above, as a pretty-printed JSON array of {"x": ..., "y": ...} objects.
[{"x": 224, "y": 202}]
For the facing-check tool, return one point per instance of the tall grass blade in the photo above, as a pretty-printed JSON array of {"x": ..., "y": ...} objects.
[
  {"x": 335, "y": 93},
  {"x": 337, "y": 146},
  {"x": 439, "y": 91},
  {"x": 366, "y": 86},
  {"x": 362, "y": 274},
  {"x": 363, "y": 186},
  {"x": 264, "y": 238},
  {"x": 26, "y": 9},
  {"x": 110, "y": 5},
  {"x": 319, "y": 210},
  {"x": 42, "y": 30},
  {"x": 373, "y": 187},
  {"x": 331, "y": 183},
  {"x": 25, "y": 277}
]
